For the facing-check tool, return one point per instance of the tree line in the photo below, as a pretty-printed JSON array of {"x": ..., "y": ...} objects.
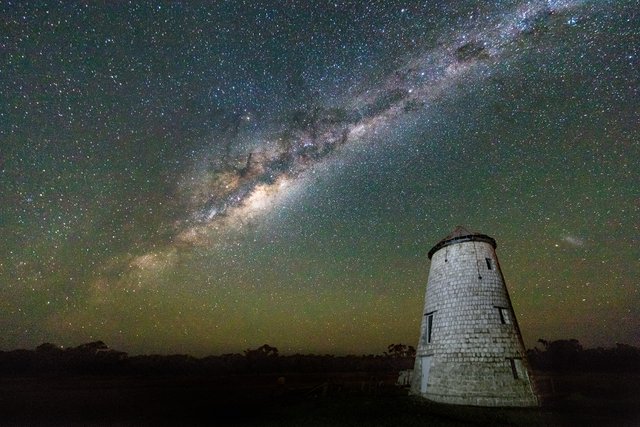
[{"x": 96, "y": 358}]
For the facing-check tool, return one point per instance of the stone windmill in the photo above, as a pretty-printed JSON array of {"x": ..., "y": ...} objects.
[{"x": 470, "y": 350}]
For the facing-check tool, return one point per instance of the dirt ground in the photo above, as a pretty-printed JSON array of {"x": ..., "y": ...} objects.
[{"x": 301, "y": 400}]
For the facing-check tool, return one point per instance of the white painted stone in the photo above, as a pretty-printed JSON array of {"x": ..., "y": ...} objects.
[{"x": 470, "y": 348}]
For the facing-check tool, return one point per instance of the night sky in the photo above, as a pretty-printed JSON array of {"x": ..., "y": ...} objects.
[{"x": 180, "y": 177}]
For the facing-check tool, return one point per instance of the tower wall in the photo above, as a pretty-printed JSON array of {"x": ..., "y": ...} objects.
[{"x": 470, "y": 350}]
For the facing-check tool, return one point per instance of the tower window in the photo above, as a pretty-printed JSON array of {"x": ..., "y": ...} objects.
[
  {"x": 429, "y": 330},
  {"x": 514, "y": 370},
  {"x": 504, "y": 316},
  {"x": 517, "y": 368},
  {"x": 489, "y": 263}
]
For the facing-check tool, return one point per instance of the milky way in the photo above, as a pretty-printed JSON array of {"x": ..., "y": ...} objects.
[
  {"x": 313, "y": 134},
  {"x": 209, "y": 178}
]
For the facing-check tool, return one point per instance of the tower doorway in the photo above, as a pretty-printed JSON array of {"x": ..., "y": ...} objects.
[{"x": 426, "y": 367}]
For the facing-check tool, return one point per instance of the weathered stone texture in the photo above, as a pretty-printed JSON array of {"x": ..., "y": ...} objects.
[{"x": 476, "y": 350}]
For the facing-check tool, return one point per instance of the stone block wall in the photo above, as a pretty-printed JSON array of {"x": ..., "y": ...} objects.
[{"x": 476, "y": 351}]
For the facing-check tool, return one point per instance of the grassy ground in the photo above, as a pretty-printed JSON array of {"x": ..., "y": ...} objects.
[{"x": 303, "y": 400}]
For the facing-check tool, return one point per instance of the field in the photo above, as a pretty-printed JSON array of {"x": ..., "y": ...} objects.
[{"x": 300, "y": 400}]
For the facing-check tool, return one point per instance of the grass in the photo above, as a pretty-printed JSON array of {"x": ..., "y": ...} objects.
[{"x": 303, "y": 400}]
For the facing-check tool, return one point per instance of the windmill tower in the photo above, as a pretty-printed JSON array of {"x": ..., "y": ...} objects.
[{"x": 470, "y": 350}]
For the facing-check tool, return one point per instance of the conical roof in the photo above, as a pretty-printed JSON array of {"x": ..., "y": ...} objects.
[{"x": 461, "y": 234}]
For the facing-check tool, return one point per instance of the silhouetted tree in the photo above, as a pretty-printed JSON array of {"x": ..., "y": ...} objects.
[
  {"x": 261, "y": 352},
  {"x": 400, "y": 351},
  {"x": 47, "y": 347}
]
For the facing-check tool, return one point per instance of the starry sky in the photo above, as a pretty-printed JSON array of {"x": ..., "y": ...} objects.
[{"x": 207, "y": 177}]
